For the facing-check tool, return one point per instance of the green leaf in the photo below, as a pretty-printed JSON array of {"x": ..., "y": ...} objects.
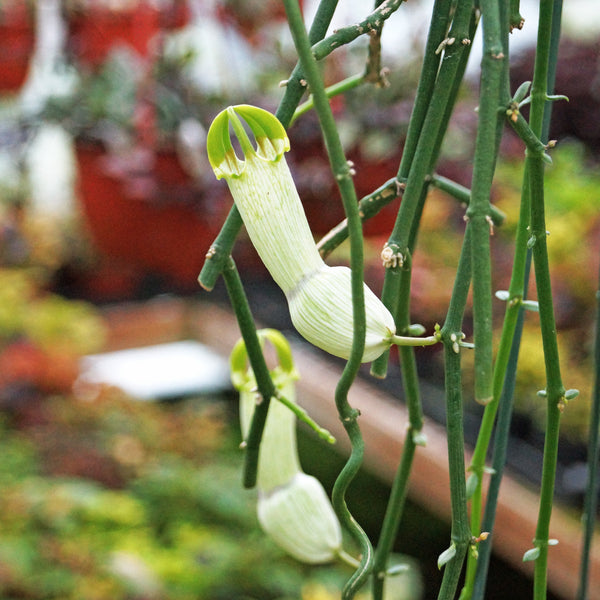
[
  {"x": 553, "y": 97},
  {"x": 531, "y": 554},
  {"x": 571, "y": 394},
  {"x": 419, "y": 438},
  {"x": 521, "y": 92},
  {"x": 416, "y": 329},
  {"x": 472, "y": 483},
  {"x": 446, "y": 556},
  {"x": 531, "y": 305}
]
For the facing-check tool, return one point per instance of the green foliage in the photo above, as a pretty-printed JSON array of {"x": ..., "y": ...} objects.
[{"x": 175, "y": 525}]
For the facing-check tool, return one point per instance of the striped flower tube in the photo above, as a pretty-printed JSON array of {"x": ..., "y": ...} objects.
[
  {"x": 293, "y": 508},
  {"x": 319, "y": 296}
]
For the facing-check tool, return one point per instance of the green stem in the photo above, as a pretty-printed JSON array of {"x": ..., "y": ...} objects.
[
  {"x": 516, "y": 294},
  {"x": 345, "y": 35},
  {"x": 554, "y": 386},
  {"x": 505, "y": 367},
  {"x": 221, "y": 248},
  {"x": 437, "y": 92},
  {"x": 478, "y": 212},
  {"x": 436, "y": 113},
  {"x": 460, "y": 531},
  {"x": 219, "y": 253},
  {"x": 386, "y": 193},
  {"x": 368, "y": 206},
  {"x": 397, "y": 499},
  {"x": 257, "y": 362},
  {"x": 463, "y": 195},
  {"x": 591, "y": 494},
  {"x": 516, "y": 20},
  {"x": 343, "y": 174},
  {"x": 333, "y": 90},
  {"x": 505, "y": 406}
]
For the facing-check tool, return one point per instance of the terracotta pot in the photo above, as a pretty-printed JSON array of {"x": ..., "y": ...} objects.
[
  {"x": 148, "y": 212},
  {"x": 16, "y": 44},
  {"x": 97, "y": 29}
]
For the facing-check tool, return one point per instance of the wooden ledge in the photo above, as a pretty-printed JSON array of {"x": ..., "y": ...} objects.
[{"x": 383, "y": 422}]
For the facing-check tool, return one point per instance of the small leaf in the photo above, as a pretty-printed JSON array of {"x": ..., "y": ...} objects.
[
  {"x": 472, "y": 483},
  {"x": 553, "y": 97},
  {"x": 571, "y": 394},
  {"x": 419, "y": 438},
  {"x": 531, "y": 554},
  {"x": 416, "y": 329},
  {"x": 525, "y": 102},
  {"x": 503, "y": 295},
  {"x": 446, "y": 556},
  {"x": 531, "y": 305},
  {"x": 398, "y": 569},
  {"x": 521, "y": 92}
]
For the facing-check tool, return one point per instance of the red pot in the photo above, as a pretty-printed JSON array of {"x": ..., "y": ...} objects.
[
  {"x": 147, "y": 212},
  {"x": 97, "y": 29},
  {"x": 16, "y": 43}
]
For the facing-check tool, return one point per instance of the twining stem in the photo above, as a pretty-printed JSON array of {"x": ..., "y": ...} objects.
[
  {"x": 343, "y": 174},
  {"x": 265, "y": 385},
  {"x": 295, "y": 88},
  {"x": 219, "y": 261}
]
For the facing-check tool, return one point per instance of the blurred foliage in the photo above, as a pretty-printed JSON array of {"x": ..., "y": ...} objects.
[
  {"x": 108, "y": 498},
  {"x": 42, "y": 335}
]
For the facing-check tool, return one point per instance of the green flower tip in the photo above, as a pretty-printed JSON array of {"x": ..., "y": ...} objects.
[
  {"x": 241, "y": 374},
  {"x": 269, "y": 134}
]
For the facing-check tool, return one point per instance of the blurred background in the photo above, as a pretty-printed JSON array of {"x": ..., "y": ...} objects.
[{"x": 120, "y": 475}]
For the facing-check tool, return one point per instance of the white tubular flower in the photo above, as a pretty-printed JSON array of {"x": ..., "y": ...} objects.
[
  {"x": 300, "y": 519},
  {"x": 264, "y": 192},
  {"x": 262, "y": 187},
  {"x": 293, "y": 508},
  {"x": 278, "y": 460}
]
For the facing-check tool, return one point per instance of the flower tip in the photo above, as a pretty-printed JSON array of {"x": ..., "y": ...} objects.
[{"x": 270, "y": 136}]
